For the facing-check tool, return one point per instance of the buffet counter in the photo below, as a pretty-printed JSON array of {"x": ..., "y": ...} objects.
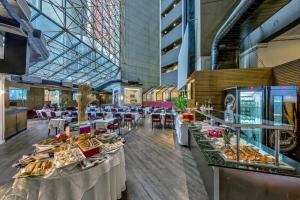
[
  {"x": 229, "y": 180},
  {"x": 15, "y": 121}
]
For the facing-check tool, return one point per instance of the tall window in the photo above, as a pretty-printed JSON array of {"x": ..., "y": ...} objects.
[{"x": 52, "y": 96}]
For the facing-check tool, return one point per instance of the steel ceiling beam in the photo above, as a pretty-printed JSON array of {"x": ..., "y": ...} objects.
[
  {"x": 71, "y": 63},
  {"x": 56, "y": 57},
  {"x": 64, "y": 28}
]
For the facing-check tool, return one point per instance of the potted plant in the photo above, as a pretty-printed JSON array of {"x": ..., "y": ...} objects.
[{"x": 180, "y": 103}]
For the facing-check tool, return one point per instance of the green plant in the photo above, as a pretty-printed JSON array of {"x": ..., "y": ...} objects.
[{"x": 180, "y": 102}]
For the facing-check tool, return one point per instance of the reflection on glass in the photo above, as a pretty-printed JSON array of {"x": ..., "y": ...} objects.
[
  {"x": 17, "y": 94},
  {"x": 251, "y": 113},
  {"x": 278, "y": 110}
]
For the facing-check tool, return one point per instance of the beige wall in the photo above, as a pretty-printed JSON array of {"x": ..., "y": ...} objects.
[{"x": 271, "y": 54}]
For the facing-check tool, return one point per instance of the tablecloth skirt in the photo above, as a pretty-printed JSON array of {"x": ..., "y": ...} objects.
[{"x": 102, "y": 182}]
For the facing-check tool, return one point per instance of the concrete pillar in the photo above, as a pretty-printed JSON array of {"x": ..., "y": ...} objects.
[{"x": 2, "y": 108}]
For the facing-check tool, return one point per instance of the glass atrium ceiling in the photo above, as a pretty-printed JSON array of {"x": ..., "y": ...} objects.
[{"x": 83, "y": 38}]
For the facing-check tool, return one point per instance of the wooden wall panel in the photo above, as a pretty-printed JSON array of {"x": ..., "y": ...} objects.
[
  {"x": 211, "y": 84},
  {"x": 287, "y": 74}
]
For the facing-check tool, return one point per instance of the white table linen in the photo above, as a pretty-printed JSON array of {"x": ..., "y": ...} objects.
[
  {"x": 57, "y": 123},
  {"x": 105, "y": 181},
  {"x": 181, "y": 132},
  {"x": 102, "y": 123}
]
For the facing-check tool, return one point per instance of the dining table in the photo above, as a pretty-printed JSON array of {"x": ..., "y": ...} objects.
[{"x": 102, "y": 123}]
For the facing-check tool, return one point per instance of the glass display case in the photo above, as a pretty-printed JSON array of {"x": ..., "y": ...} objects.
[{"x": 225, "y": 144}]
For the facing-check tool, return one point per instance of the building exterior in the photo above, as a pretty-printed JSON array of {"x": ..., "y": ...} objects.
[
  {"x": 139, "y": 59},
  {"x": 171, "y": 38}
]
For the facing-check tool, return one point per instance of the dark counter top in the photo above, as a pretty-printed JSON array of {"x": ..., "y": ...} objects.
[{"x": 214, "y": 158}]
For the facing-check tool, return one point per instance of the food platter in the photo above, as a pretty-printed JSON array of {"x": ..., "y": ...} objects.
[
  {"x": 36, "y": 168},
  {"x": 111, "y": 148},
  {"x": 68, "y": 158},
  {"x": 66, "y": 152},
  {"x": 249, "y": 154}
]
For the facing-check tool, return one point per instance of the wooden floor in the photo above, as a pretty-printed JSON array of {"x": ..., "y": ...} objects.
[{"x": 157, "y": 168}]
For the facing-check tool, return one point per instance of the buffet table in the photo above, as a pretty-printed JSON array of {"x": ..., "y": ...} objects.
[
  {"x": 181, "y": 130},
  {"x": 104, "y": 181}
]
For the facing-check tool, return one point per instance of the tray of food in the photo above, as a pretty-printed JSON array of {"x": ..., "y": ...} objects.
[
  {"x": 109, "y": 138},
  {"x": 48, "y": 143},
  {"x": 91, "y": 163},
  {"x": 215, "y": 132},
  {"x": 67, "y": 158},
  {"x": 36, "y": 168},
  {"x": 62, "y": 147},
  {"x": 25, "y": 160},
  {"x": 251, "y": 155},
  {"x": 89, "y": 146},
  {"x": 112, "y": 147}
]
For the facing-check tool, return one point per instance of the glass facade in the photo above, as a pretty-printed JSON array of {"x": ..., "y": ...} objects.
[{"x": 83, "y": 38}]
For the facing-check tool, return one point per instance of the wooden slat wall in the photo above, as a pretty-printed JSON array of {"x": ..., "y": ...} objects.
[
  {"x": 287, "y": 74},
  {"x": 211, "y": 84}
]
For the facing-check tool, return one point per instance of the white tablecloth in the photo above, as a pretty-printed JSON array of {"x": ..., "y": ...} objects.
[
  {"x": 102, "y": 182},
  {"x": 181, "y": 132},
  {"x": 57, "y": 123},
  {"x": 102, "y": 123}
]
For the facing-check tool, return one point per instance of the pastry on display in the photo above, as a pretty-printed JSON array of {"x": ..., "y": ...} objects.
[
  {"x": 248, "y": 153},
  {"x": 68, "y": 157},
  {"x": 49, "y": 141},
  {"x": 62, "y": 147},
  {"x": 109, "y": 138},
  {"x": 88, "y": 143},
  {"x": 37, "y": 168},
  {"x": 111, "y": 147}
]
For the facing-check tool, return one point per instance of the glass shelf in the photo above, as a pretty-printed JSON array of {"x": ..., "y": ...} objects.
[
  {"x": 214, "y": 158},
  {"x": 219, "y": 116}
]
